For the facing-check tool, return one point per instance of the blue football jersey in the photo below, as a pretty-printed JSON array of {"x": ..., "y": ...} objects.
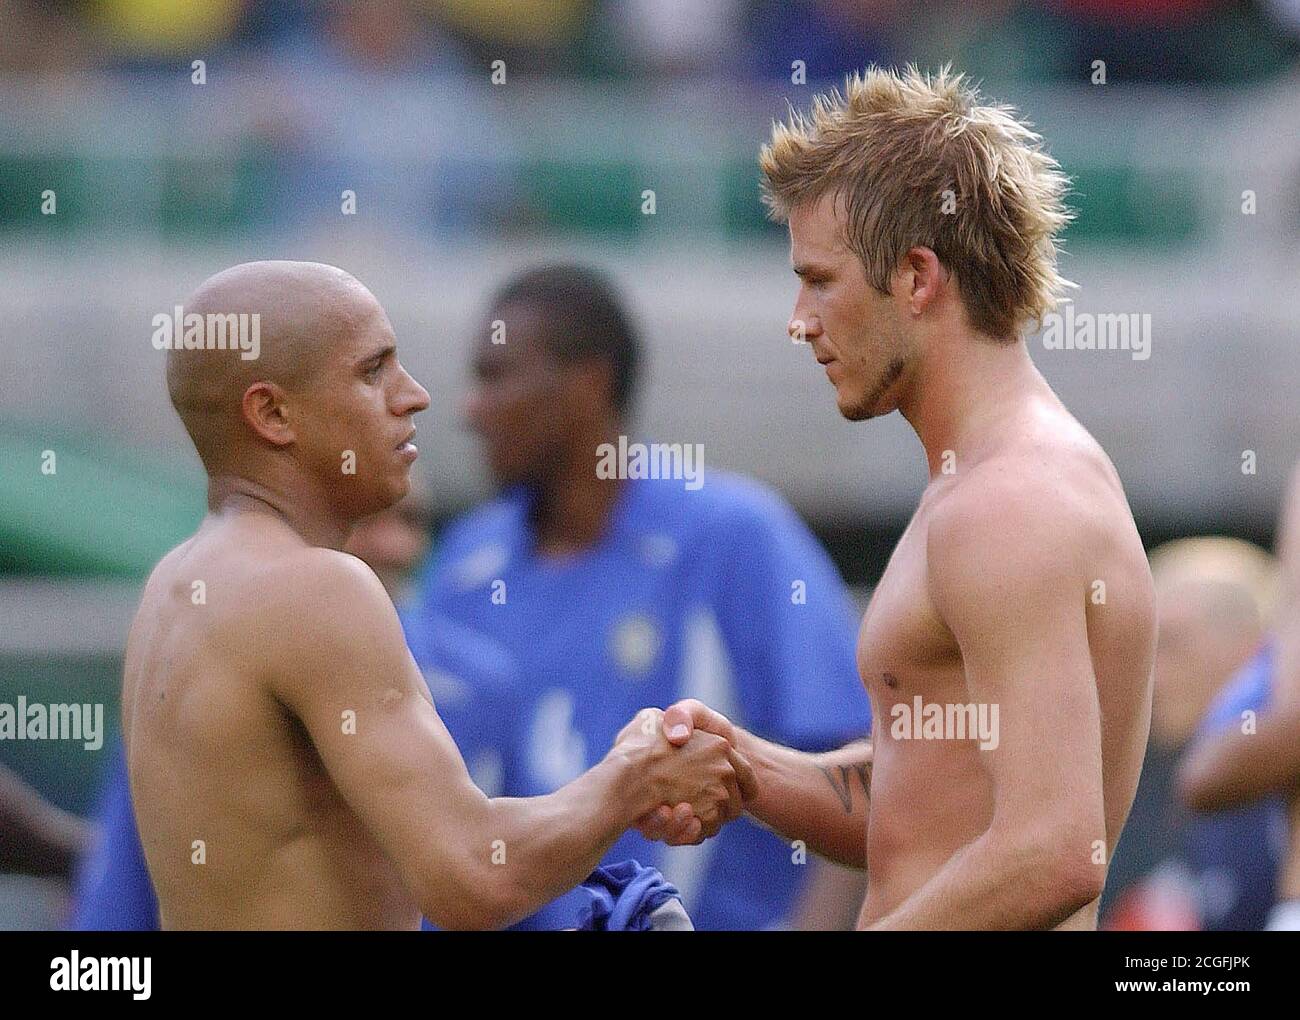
[
  {"x": 719, "y": 593},
  {"x": 111, "y": 889},
  {"x": 1235, "y": 854}
]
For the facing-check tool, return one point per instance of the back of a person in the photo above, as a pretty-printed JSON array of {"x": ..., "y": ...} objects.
[{"x": 241, "y": 825}]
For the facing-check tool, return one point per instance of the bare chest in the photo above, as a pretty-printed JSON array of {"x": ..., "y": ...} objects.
[{"x": 904, "y": 648}]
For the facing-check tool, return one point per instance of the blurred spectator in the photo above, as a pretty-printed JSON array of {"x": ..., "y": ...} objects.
[
  {"x": 39, "y": 845},
  {"x": 1215, "y": 598},
  {"x": 831, "y": 37},
  {"x": 1258, "y": 756},
  {"x": 36, "y": 838},
  {"x": 141, "y": 33},
  {"x": 617, "y": 592},
  {"x": 532, "y": 36},
  {"x": 1233, "y": 854},
  {"x": 38, "y": 37},
  {"x": 679, "y": 37},
  {"x": 1196, "y": 42}
]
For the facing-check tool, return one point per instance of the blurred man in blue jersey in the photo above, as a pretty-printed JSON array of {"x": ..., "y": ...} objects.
[
  {"x": 1234, "y": 854},
  {"x": 1255, "y": 757},
  {"x": 1173, "y": 869},
  {"x": 615, "y": 587}
]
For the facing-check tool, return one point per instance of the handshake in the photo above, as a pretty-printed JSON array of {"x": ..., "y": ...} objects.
[{"x": 686, "y": 760}]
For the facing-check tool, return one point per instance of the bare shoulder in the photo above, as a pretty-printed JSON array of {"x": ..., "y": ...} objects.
[
  {"x": 312, "y": 593},
  {"x": 317, "y": 611},
  {"x": 1047, "y": 502}
]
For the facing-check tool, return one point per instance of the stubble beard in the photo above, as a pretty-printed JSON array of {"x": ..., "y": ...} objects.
[{"x": 866, "y": 408}]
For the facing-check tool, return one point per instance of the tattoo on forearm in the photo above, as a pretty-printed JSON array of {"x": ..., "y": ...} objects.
[{"x": 838, "y": 776}]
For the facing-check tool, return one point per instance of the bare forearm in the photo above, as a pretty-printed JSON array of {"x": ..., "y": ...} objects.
[
  {"x": 1239, "y": 767},
  {"x": 1235, "y": 769},
  {"x": 991, "y": 883},
  {"x": 540, "y": 847},
  {"x": 821, "y": 799}
]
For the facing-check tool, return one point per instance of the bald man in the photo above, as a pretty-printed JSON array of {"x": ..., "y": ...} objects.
[{"x": 288, "y": 767}]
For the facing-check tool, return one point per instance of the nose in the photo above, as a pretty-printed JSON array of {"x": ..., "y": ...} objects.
[
  {"x": 799, "y": 328},
  {"x": 804, "y": 323},
  {"x": 413, "y": 397}
]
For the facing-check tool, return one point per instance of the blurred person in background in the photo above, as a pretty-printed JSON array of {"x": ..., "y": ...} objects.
[
  {"x": 41, "y": 38},
  {"x": 1215, "y": 599},
  {"x": 1164, "y": 41},
  {"x": 533, "y": 37},
  {"x": 36, "y": 837},
  {"x": 39, "y": 845},
  {"x": 467, "y": 675},
  {"x": 618, "y": 592},
  {"x": 828, "y": 36},
  {"x": 1257, "y": 755}
]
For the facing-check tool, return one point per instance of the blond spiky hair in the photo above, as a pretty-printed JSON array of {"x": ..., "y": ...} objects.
[{"x": 917, "y": 161}]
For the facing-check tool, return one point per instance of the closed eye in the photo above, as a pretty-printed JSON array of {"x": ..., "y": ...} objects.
[{"x": 371, "y": 367}]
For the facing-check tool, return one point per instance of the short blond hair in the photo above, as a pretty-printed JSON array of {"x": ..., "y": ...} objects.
[{"x": 917, "y": 161}]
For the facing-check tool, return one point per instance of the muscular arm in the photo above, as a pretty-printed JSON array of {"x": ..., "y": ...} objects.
[
  {"x": 821, "y": 799},
  {"x": 470, "y": 861},
  {"x": 1234, "y": 768},
  {"x": 1022, "y": 633}
]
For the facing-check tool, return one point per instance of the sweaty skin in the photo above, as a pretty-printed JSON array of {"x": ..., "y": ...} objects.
[
  {"x": 1241, "y": 766},
  {"x": 1020, "y": 583},
  {"x": 287, "y": 764}
]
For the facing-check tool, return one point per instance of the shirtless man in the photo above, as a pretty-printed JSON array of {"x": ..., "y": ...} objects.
[
  {"x": 921, "y": 228},
  {"x": 1236, "y": 768},
  {"x": 286, "y": 762}
]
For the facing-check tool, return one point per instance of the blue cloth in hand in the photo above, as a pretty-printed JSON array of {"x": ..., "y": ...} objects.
[{"x": 629, "y": 897}]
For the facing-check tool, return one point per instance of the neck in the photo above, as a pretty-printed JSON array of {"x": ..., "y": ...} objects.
[
  {"x": 962, "y": 388},
  {"x": 299, "y": 510},
  {"x": 572, "y": 505}
]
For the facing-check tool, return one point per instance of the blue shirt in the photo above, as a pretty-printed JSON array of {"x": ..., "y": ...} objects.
[
  {"x": 1236, "y": 854},
  {"x": 111, "y": 890},
  {"x": 468, "y": 676},
  {"x": 719, "y": 593}
]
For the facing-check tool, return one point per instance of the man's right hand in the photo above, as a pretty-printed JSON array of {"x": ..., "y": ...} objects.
[
  {"x": 698, "y": 778},
  {"x": 683, "y": 722}
]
